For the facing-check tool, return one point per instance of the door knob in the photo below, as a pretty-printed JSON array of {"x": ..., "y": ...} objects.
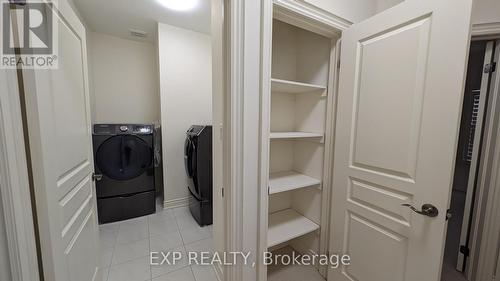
[{"x": 426, "y": 210}]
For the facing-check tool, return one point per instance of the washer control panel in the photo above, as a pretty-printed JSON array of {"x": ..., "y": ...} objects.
[{"x": 116, "y": 129}]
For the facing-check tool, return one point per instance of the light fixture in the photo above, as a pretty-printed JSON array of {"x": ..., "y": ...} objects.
[{"x": 179, "y": 5}]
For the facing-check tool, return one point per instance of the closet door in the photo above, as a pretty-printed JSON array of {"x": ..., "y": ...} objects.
[{"x": 399, "y": 102}]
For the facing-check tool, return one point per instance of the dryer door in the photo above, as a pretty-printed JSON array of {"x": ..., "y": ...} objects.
[{"x": 124, "y": 157}]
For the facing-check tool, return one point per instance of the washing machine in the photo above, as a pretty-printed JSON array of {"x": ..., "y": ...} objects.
[{"x": 124, "y": 162}]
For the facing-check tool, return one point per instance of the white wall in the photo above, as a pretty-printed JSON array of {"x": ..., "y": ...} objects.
[
  {"x": 185, "y": 59},
  {"x": 4, "y": 253},
  {"x": 386, "y": 4},
  {"x": 486, "y": 11},
  {"x": 124, "y": 76}
]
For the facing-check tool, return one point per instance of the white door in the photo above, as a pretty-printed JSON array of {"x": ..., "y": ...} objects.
[
  {"x": 58, "y": 117},
  {"x": 400, "y": 94}
]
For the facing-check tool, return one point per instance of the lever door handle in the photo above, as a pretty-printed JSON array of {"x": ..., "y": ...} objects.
[{"x": 426, "y": 210}]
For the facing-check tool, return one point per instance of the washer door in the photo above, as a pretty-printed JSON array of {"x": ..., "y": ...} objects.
[{"x": 124, "y": 157}]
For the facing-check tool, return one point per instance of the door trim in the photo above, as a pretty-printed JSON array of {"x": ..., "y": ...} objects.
[
  {"x": 476, "y": 157},
  {"x": 241, "y": 163},
  {"x": 483, "y": 31},
  {"x": 488, "y": 246},
  {"x": 16, "y": 197}
]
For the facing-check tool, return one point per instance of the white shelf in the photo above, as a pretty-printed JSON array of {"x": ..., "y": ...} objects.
[
  {"x": 290, "y": 180},
  {"x": 292, "y": 87},
  {"x": 286, "y": 225},
  {"x": 294, "y": 135}
]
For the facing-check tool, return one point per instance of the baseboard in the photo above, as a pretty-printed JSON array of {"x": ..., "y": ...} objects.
[
  {"x": 218, "y": 271},
  {"x": 176, "y": 203}
]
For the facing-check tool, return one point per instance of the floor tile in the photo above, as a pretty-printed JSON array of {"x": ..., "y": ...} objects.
[
  {"x": 204, "y": 273},
  {"x": 184, "y": 274},
  {"x": 157, "y": 270},
  {"x": 106, "y": 255},
  {"x": 205, "y": 245},
  {"x": 107, "y": 239},
  {"x": 193, "y": 234},
  {"x": 160, "y": 224},
  {"x": 133, "y": 231},
  {"x": 166, "y": 241},
  {"x": 185, "y": 221},
  {"x": 167, "y": 213},
  {"x": 181, "y": 211},
  {"x": 110, "y": 227},
  {"x": 133, "y": 250},
  {"x": 135, "y": 270},
  {"x": 103, "y": 271}
]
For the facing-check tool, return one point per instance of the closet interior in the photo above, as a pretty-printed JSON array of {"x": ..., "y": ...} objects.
[{"x": 299, "y": 102}]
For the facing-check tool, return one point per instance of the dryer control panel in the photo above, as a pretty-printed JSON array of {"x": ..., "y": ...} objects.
[{"x": 117, "y": 129}]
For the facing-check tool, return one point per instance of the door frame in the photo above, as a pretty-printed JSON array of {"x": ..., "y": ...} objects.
[
  {"x": 484, "y": 256},
  {"x": 475, "y": 160},
  {"x": 311, "y": 18},
  {"x": 15, "y": 183}
]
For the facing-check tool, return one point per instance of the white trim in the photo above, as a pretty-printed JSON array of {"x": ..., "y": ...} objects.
[
  {"x": 14, "y": 185},
  {"x": 267, "y": 30},
  {"x": 219, "y": 271},
  {"x": 327, "y": 193},
  {"x": 242, "y": 119},
  {"x": 485, "y": 29},
  {"x": 176, "y": 203},
  {"x": 310, "y": 17}
]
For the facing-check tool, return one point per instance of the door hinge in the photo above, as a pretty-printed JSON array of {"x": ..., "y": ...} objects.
[
  {"x": 96, "y": 177},
  {"x": 449, "y": 214},
  {"x": 222, "y": 191},
  {"x": 490, "y": 67},
  {"x": 464, "y": 250}
]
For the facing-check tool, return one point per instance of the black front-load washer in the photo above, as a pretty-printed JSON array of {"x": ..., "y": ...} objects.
[{"x": 123, "y": 156}]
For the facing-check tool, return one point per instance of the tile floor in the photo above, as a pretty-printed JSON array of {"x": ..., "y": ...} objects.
[
  {"x": 292, "y": 272},
  {"x": 125, "y": 247}
]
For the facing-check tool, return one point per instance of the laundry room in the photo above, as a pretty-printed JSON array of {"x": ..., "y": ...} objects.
[
  {"x": 151, "y": 110},
  {"x": 250, "y": 140}
]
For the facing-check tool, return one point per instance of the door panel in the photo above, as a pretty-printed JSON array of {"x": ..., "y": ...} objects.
[
  {"x": 383, "y": 144},
  {"x": 58, "y": 115},
  {"x": 398, "y": 113}
]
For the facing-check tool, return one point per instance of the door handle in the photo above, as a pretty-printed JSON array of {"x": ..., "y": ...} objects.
[{"x": 426, "y": 210}]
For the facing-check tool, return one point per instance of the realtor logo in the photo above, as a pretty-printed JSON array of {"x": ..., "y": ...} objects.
[{"x": 29, "y": 32}]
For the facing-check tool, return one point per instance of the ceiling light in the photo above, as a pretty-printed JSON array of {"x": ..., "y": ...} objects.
[{"x": 179, "y": 5}]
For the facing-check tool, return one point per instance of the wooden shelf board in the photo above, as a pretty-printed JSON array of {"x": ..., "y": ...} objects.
[
  {"x": 292, "y": 87},
  {"x": 294, "y": 135},
  {"x": 286, "y": 225},
  {"x": 290, "y": 180}
]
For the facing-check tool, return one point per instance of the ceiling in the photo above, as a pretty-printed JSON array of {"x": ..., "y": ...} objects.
[{"x": 116, "y": 17}]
